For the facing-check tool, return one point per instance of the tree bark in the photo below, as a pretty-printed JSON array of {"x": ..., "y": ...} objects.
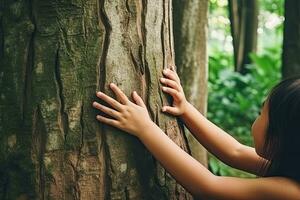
[
  {"x": 243, "y": 15},
  {"x": 190, "y": 36},
  {"x": 291, "y": 39},
  {"x": 54, "y": 56}
]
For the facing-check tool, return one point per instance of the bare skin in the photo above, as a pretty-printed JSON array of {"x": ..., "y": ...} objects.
[{"x": 133, "y": 118}]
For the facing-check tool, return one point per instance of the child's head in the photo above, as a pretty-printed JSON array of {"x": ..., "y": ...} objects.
[{"x": 277, "y": 130}]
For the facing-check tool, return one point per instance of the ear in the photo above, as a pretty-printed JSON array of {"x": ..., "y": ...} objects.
[{"x": 138, "y": 100}]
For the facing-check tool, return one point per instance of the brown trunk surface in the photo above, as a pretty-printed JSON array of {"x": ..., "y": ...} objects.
[
  {"x": 190, "y": 37},
  {"x": 291, "y": 39},
  {"x": 54, "y": 56},
  {"x": 243, "y": 16}
]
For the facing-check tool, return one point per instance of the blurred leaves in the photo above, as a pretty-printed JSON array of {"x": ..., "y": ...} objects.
[{"x": 235, "y": 100}]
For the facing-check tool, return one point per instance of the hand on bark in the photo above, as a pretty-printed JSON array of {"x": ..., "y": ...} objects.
[
  {"x": 126, "y": 115},
  {"x": 174, "y": 88}
]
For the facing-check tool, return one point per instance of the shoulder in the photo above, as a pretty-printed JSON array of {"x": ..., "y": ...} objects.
[{"x": 272, "y": 188}]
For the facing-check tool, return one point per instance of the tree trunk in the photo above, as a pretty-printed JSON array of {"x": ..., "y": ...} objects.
[
  {"x": 54, "y": 56},
  {"x": 291, "y": 39},
  {"x": 243, "y": 15},
  {"x": 190, "y": 36}
]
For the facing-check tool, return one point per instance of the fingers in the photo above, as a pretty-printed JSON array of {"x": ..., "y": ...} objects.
[
  {"x": 169, "y": 109},
  {"x": 174, "y": 93},
  {"x": 170, "y": 83},
  {"x": 171, "y": 75},
  {"x": 107, "y": 110},
  {"x": 138, "y": 100},
  {"x": 119, "y": 93},
  {"x": 115, "y": 104},
  {"x": 108, "y": 121}
]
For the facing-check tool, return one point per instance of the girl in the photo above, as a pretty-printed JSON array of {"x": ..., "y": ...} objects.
[{"x": 276, "y": 133}]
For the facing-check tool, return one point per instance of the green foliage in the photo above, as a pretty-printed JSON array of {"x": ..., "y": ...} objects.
[
  {"x": 235, "y": 100},
  {"x": 273, "y": 6}
]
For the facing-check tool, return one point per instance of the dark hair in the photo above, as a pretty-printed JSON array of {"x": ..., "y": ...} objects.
[{"x": 282, "y": 141}]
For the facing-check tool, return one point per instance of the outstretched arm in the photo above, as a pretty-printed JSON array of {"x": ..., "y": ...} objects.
[
  {"x": 202, "y": 184},
  {"x": 220, "y": 143},
  {"x": 213, "y": 138},
  {"x": 185, "y": 169},
  {"x": 133, "y": 118}
]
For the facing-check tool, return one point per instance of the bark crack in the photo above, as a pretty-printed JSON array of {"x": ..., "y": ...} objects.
[
  {"x": 127, "y": 197},
  {"x": 63, "y": 123},
  {"x": 107, "y": 26},
  {"x": 162, "y": 36},
  {"x": 77, "y": 169},
  {"x": 76, "y": 190},
  {"x": 101, "y": 78},
  {"x": 127, "y": 6},
  {"x": 85, "y": 34},
  {"x": 149, "y": 92},
  {"x": 1, "y": 38},
  {"x": 165, "y": 185},
  {"x": 82, "y": 132},
  {"x": 144, "y": 68},
  {"x": 147, "y": 84},
  {"x": 143, "y": 30},
  {"x": 27, "y": 74},
  {"x": 170, "y": 28},
  {"x": 134, "y": 61},
  {"x": 107, "y": 162},
  {"x": 38, "y": 149},
  {"x": 30, "y": 59}
]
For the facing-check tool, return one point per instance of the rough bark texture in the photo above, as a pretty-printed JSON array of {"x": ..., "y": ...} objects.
[
  {"x": 54, "y": 56},
  {"x": 291, "y": 39},
  {"x": 243, "y": 16},
  {"x": 190, "y": 36}
]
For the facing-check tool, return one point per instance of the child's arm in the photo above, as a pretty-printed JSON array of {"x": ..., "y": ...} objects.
[
  {"x": 184, "y": 168},
  {"x": 202, "y": 183},
  {"x": 220, "y": 143},
  {"x": 214, "y": 139},
  {"x": 133, "y": 118}
]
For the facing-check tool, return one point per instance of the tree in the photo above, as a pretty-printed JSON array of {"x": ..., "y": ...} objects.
[
  {"x": 190, "y": 36},
  {"x": 54, "y": 56},
  {"x": 243, "y": 16},
  {"x": 291, "y": 39}
]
